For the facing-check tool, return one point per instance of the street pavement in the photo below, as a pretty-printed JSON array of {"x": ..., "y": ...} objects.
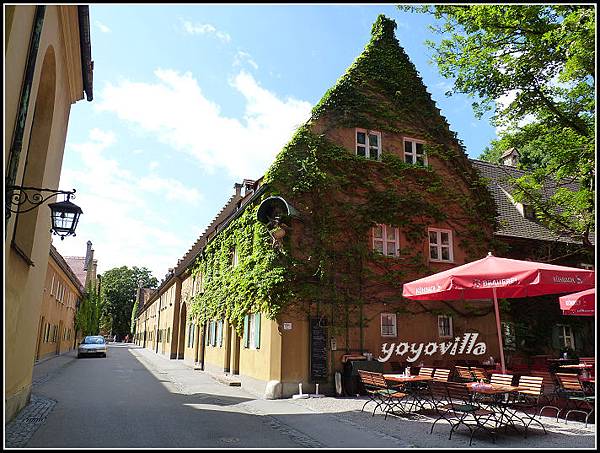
[{"x": 137, "y": 399}]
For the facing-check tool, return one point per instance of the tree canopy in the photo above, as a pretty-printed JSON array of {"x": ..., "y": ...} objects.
[
  {"x": 533, "y": 67},
  {"x": 119, "y": 286}
]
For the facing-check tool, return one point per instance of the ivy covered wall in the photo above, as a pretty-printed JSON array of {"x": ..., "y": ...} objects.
[{"x": 325, "y": 264}]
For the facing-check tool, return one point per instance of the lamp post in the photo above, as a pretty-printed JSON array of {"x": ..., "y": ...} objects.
[{"x": 64, "y": 214}]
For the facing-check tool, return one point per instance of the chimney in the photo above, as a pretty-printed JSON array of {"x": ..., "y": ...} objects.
[
  {"x": 238, "y": 189},
  {"x": 248, "y": 186},
  {"x": 510, "y": 157},
  {"x": 88, "y": 258}
]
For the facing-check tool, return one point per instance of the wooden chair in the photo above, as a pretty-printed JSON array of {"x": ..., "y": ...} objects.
[
  {"x": 571, "y": 389},
  {"x": 479, "y": 374},
  {"x": 462, "y": 374},
  {"x": 549, "y": 396},
  {"x": 588, "y": 360},
  {"x": 529, "y": 398},
  {"x": 441, "y": 375},
  {"x": 468, "y": 412},
  {"x": 426, "y": 372},
  {"x": 380, "y": 392},
  {"x": 501, "y": 379}
]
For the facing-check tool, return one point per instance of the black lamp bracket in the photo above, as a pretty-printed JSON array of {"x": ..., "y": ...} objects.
[{"x": 17, "y": 197}]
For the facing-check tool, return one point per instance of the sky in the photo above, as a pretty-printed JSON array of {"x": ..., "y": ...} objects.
[{"x": 190, "y": 99}]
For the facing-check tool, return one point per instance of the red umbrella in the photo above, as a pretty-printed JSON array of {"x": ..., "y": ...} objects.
[
  {"x": 582, "y": 303},
  {"x": 493, "y": 277}
]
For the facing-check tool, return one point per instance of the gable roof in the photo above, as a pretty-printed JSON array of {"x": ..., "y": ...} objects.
[
  {"x": 511, "y": 222},
  {"x": 78, "y": 265}
]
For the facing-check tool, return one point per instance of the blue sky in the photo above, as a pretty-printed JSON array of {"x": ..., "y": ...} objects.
[{"x": 189, "y": 99}]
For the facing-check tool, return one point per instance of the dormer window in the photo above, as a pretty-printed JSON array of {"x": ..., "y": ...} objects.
[
  {"x": 528, "y": 212},
  {"x": 414, "y": 152},
  {"x": 368, "y": 144}
]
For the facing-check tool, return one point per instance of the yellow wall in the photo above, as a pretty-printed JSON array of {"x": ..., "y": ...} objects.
[
  {"x": 57, "y": 312},
  {"x": 51, "y": 97}
]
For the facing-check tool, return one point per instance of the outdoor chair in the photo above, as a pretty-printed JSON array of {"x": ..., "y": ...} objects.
[
  {"x": 468, "y": 412},
  {"x": 549, "y": 396},
  {"x": 501, "y": 379},
  {"x": 426, "y": 371},
  {"x": 385, "y": 396},
  {"x": 462, "y": 374},
  {"x": 479, "y": 374},
  {"x": 441, "y": 374},
  {"x": 588, "y": 360},
  {"x": 528, "y": 399},
  {"x": 571, "y": 389}
]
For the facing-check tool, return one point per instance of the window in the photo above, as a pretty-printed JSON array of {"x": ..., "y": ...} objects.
[
  {"x": 509, "y": 339},
  {"x": 368, "y": 144},
  {"x": 388, "y": 325},
  {"x": 234, "y": 257},
  {"x": 212, "y": 330},
  {"x": 52, "y": 286},
  {"x": 219, "y": 341},
  {"x": 445, "y": 326},
  {"x": 589, "y": 267},
  {"x": 386, "y": 240},
  {"x": 565, "y": 337},
  {"x": 414, "y": 152},
  {"x": 252, "y": 331},
  {"x": 528, "y": 212},
  {"x": 440, "y": 245}
]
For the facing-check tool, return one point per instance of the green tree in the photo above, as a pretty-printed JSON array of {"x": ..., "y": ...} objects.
[
  {"x": 533, "y": 66},
  {"x": 86, "y": 319},
  {"x": 119, "y": 286}
]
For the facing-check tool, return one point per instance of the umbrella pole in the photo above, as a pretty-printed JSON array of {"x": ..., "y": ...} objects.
[{"x": 499, "y": 330}]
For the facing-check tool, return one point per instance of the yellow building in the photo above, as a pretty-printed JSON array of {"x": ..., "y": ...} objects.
[
  {"x": 61, "y": 296},
  {"x": 48, "y": 67}
]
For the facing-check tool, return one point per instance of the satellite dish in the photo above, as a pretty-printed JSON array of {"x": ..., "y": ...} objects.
[{"x": 273, "y": 209}]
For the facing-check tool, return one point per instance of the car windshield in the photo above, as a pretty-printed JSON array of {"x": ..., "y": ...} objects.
[{"x": 93, "y": 340}]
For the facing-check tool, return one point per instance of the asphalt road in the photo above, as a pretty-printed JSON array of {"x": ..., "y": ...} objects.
[
  {"x": 119, "y": 402},
  {"x": 138, "y": 399}
]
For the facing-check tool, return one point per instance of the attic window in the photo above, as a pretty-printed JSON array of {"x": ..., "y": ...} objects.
[
  {"x": 368, "y": 144},
  {"x": 528, "y": 212},
  {"x": 414, "y": 152}
]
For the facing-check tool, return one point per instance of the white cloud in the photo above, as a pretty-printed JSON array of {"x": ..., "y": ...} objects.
[
  {"x": 202, "y": 29},
  {"x": 241, "y": 57},
  {"x": 118, "y": 216},
  {"x": 153, "y": 165},
  {"x": 176, "y": 112},
  {"x": 103, "y": 28}
]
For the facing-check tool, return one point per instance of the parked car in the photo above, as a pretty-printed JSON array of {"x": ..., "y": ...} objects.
[{"x": 92, "y": 344}]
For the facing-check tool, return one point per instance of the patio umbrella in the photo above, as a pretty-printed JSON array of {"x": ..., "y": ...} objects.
[
  {"x": 493, "y": 277},
  {"x": 582, "y": 303}
]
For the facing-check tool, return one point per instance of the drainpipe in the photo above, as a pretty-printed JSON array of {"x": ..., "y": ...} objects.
[{"x": 19, "y": 130}]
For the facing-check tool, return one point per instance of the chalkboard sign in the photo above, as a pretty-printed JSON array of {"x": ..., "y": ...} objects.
[{"x": 318, "y": 349}]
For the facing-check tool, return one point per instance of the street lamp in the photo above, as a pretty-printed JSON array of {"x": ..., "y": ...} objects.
[{"x": 64, "y": 214}]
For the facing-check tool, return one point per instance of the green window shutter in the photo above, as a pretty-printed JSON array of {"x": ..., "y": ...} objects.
[
  {"x": 257, "y": 330},
  {"x": 246, "y": 332}
]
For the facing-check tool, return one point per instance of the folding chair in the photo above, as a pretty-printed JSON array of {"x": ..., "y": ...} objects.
[
  {"x": 380, "y": 392},
  {"x": 571, "y": 389},
  {"x": 549, "y": 396},
  {"x": 468, "y": 411},
  {"x": 529, "y": 398},
  {"x": 462, "y": 374}
]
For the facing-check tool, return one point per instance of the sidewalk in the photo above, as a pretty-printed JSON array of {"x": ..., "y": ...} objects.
[{"x": 338, "y": 422}]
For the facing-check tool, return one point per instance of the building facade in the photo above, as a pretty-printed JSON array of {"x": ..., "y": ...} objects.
[
  {"x": 48, "y": 67},
  {"x": 307, "y": 267},
  {"x": 61, "y": 296}
]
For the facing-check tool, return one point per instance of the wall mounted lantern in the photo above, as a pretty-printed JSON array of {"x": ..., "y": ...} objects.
[{"x": 64, "y": 214}]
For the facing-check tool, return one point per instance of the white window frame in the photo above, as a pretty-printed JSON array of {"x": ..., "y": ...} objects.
[
  {"x": 367, "y": 145},
  {"x": 234, "y": 258},
  {"x": 450, "y": 326},
  {"x": 413, "y": 153},
  {"x": 52, "y": 285},
  {"x": 393, "y": 324},
  {"x": 385, "y": 241},
  {"x": 438, "y": 244},
  {"x": 588, "y": 266},
  {"x": 562, "y": 336}
]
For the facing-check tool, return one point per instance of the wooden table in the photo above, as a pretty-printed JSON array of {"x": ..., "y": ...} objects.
[
  {"x": 492, "y": 389},
  {"x": 498, "y": 393},
  {"x": 412, "y": 390},
  {"x": 402, "y": 379},
  {"x": 579, "y": 366}
]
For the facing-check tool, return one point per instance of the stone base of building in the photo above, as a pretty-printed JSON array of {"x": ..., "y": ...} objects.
[{"x": 14, "y": 403}]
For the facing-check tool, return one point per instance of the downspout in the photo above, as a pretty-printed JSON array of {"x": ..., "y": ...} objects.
[{"x": 19, "y": 130}]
